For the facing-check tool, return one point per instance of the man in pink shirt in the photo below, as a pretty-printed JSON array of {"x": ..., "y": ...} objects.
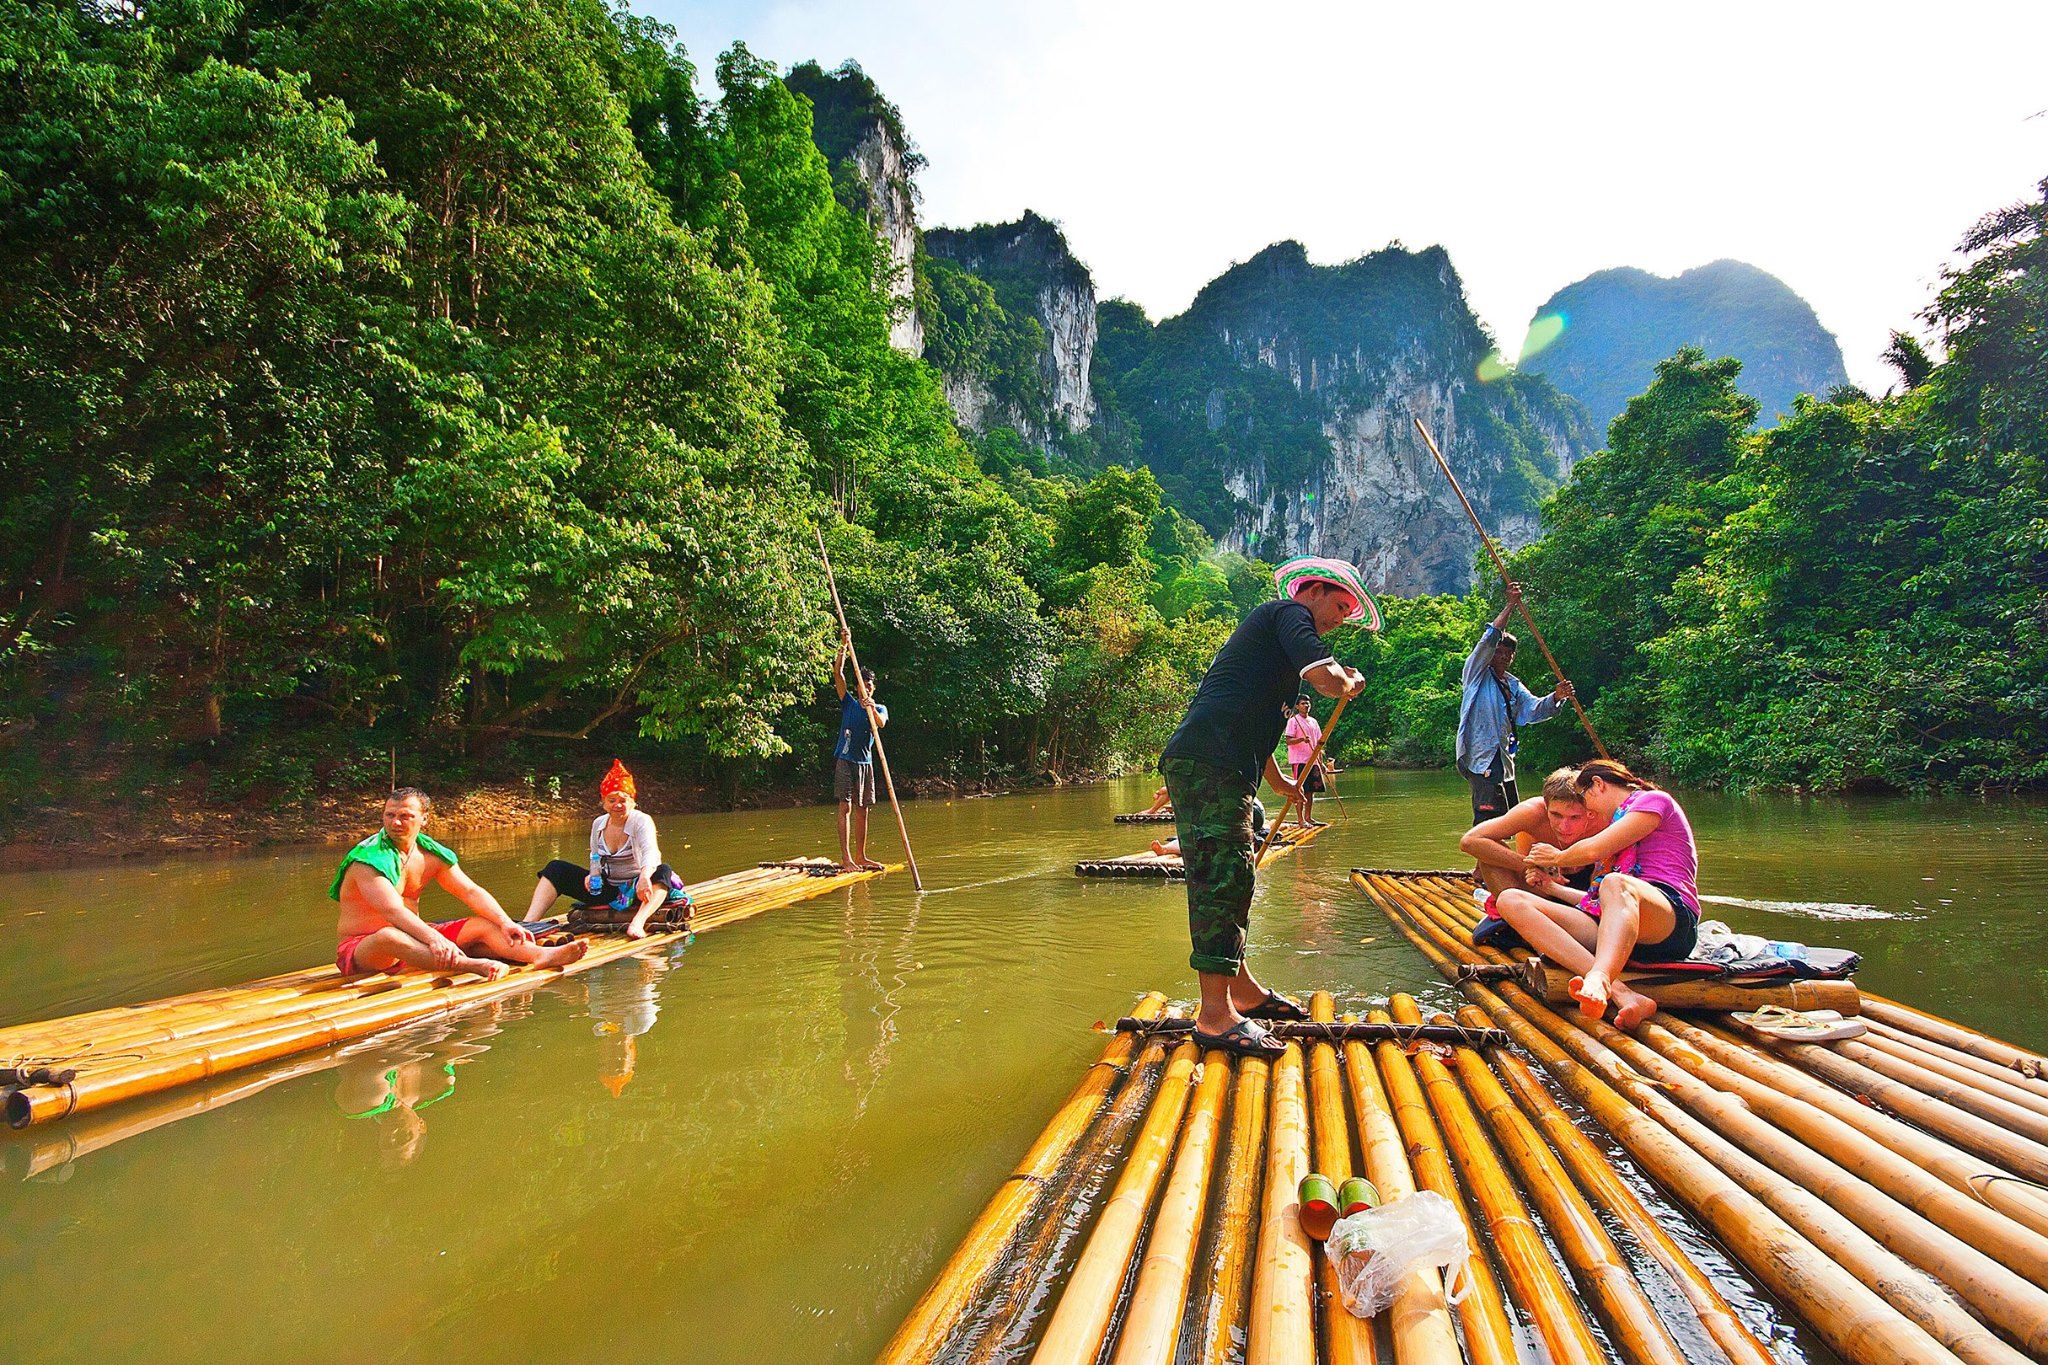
[{"x": 1303, "y": 733}]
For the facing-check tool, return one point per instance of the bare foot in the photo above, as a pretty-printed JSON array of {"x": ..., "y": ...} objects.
[
  {"x": 1590, "y": 991},
  {"x": 870, "y": 865},
  {"x": 1631, "y": 1007},
  {"x": 1159, "y": 847},
  {"x": 489, "y": 968},
  {"x": 636, "y": 931},
  {"x": 563, "y": 954}
]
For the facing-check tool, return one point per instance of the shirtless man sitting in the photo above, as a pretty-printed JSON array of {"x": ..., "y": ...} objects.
[
  {"x": 379, "y": 885},
  {"x": 1559, "y": 812}
]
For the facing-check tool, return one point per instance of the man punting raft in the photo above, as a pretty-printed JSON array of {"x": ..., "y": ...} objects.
[
  {"x": 1212, "y": 766},
  {"x": 379, "y": 885}
]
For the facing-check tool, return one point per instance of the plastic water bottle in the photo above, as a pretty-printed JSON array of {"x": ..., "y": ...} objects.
[{"x": 595, "y": 881}]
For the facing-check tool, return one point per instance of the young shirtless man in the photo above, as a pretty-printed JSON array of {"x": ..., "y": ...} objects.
[
  {"x": 1559, "y": 818},
  {"x": 379, "y": 885}
]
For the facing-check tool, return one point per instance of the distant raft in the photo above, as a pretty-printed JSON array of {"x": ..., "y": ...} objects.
[
  {"x": 60, "y": 1067},
  {"x": 1167, "y": 866},
  {"x": 1887, "y": 1188},
  {"x": 1146, "y": 817}
]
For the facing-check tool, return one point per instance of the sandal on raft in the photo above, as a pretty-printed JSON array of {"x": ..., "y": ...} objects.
[
  {"x": 1245, "y": 1039},
  {"x": 1278, "y": 1009},
  {"x": 1801, "y": 1026}
]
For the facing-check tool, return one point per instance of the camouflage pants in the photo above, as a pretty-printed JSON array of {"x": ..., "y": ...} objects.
[{"x": 1212, "y": 810}]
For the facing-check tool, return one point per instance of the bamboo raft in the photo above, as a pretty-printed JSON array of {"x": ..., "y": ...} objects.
[
  {"x": 84, "y": 1062},
  {"x": 1887, "y": 1189},
  {"x": 1167, "y": 866},
  {"x": 1146, "y": 817}
]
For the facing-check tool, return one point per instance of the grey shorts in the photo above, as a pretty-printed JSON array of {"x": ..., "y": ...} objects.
[{"x": 853, "y": 782}]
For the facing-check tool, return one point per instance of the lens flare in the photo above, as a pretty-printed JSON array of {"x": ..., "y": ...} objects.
[
  {"x": 1545, "y": 330},
  {"x": 1493, "y": 367}
]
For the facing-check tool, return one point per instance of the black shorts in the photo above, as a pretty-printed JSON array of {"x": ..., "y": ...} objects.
[
  {"x": 1491, "y": 796},
  {"x": 568, "y": 879},
  {"x": 1684, "y": 936},
  {"x": 1312, "y": 782}
]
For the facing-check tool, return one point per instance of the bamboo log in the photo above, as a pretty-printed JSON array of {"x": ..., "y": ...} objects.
[
  {"x": 1223, "y": 1303},
  {"x": 1597, "y": 1176},
  {"x": 2011, "y": 1075},
  {"x": 1419, "y": 1321},
  {"x": 1081, "y": 1320},
  {"x": 1955, "y": 1035},
  {"x": 1904, "y": 1158},
  {"x": 1852, "y": 1318},
  {"x": 2014, "y": 1118},
  {"x": 1995, "y": 1086},
  {"x": 1151, "y": 1326},
  {"x": 1350, "y": 1338},
  {"x": 1489, "y": 1336},
  {"x": 953, "y": 1289},
  {"x": 1553, "y": 984},
  {"x": 1596, "y": 1263},
  {"x": 1282, "y": 1330},
  {"x": 1531, "y": 1275}
]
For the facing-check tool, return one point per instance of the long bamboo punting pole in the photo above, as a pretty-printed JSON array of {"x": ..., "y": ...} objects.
[
  {"x": 1531, "y": 1275},
  {"x": 1489, "y": 1336},
  {"x": 1954, "y": 1035},
  {"x": 1596, "y": 1175},
  {"x": 1314, "y": 757},
  {"x": 1281, "y": 1329},
  {"x": 860, "y": 690},
  {"x": 1081, "y": 1320},
  {"x": 1419, "y": 1321},
  {"x": 1350, "y": 1338},
  {"x": 1151, "y": 1325},
  {"x": 1221, "y": 1309},
  {"x": 954, "y": 1289},
  {"x": 1596, "y": 1262},
  {"x": 1851, "y": 1317},
  {"x": 1501, "y": 567}
]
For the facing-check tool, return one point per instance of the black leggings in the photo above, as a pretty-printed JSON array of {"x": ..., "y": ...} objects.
[{"x": 569, "y": 880}]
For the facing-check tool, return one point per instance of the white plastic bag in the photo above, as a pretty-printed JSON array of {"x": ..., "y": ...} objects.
[{"x": 1376, "y": 1250}]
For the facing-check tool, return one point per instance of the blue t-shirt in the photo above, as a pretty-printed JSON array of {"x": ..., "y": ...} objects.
[{"x": 856, "y": 735}]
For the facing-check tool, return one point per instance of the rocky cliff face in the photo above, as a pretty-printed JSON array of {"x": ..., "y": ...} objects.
[
  {"x": 1600, "y": 339},
  {"x": 1034, "y": 278},
  {"x": 879, "y": 161},
  {"x": 1278, "y": 409}
]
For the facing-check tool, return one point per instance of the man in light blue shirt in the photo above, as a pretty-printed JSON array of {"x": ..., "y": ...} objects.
[{"x": 1494, "y": 707}]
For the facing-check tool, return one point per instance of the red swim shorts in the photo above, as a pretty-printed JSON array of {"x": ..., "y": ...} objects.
[{"x": 345, "y": 952}]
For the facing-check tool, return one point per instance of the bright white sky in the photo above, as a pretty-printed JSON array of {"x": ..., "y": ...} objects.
[{"x": 1843, "y": 147}]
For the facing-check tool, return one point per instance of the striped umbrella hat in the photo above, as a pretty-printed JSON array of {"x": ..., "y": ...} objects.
[{"x": 1299, "y": 572}]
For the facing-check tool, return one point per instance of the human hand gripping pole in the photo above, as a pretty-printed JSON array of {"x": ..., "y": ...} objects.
[
  {"x": 860, "y": 690},
  {"x": 1315, "y": 756},
  {"x": 1501, "y": 566}
]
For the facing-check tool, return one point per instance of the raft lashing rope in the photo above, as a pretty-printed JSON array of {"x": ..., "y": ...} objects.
[
  {"x": 86, "y": 1062},
  {"x": 1168, "y": 867}
]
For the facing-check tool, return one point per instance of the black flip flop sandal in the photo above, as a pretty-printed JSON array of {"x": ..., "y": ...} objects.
[
  {"x": 1244, "y": 1039},
  {"x": 1278, "y": 1009}
]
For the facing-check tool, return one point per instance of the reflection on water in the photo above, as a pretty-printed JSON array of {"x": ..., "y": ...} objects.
[{"x": 777, "y": 1135}]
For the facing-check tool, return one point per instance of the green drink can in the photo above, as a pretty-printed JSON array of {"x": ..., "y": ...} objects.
[
  {"x": 1356, "y": 1196},
  {"x": 1318, "y": 1212}
]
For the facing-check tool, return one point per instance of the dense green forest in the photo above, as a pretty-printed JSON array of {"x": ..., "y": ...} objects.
[
  {"x": 453, "y": 378},
  {"x": 1857, "y": 597},
  {"x": 450, "y": 377}
]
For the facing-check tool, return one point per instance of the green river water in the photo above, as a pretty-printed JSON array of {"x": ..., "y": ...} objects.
[{"x": 761, "y": 1146}]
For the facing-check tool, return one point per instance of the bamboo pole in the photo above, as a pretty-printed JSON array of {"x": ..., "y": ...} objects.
[
  {"x": 1997, "y": 1087},
  {"x": 1223, "y": 1302},
  {"x": 1850, "y": 1316},
  {"x": 1281, "y": 1329},
  {"x": 1081, "y": 1320},
  {"x": 1955, "y": 1035},
  {"x": 1501, "y": 566},
  {"x": 2014, "y": 1118},
  {"x": 1151, "y": 1326},
  {"x": 1596, "y": 1262},
  {"x": 1531, "y": 1275},
  {"x": 1314, "y": 756},
  {"x": 1553, "y": 984},
  {"x": 1350, "y": 1338},
  {"x": 1419, "y": 1321},
  {"x": 860, "y": 690},
  {"x": 1596, "y": 1175},
  {"x": 2011, "y": 1075},
  {"x": 1489, "y": 1336},
  {"x": 989, "y": 1237}
]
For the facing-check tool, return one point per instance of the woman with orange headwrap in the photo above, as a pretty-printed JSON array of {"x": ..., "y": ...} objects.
[{"x": 625, "y": 864}]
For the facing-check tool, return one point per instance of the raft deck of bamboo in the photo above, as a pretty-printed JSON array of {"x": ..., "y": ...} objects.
[
  {"x": 1155, "y": 1220},
  {"x": 1146, "y": 817},
  {"x": 85, "y": 1062},
  {"x": 1167, "y": 866},
  {"x": 1887, "y": 1188}
]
